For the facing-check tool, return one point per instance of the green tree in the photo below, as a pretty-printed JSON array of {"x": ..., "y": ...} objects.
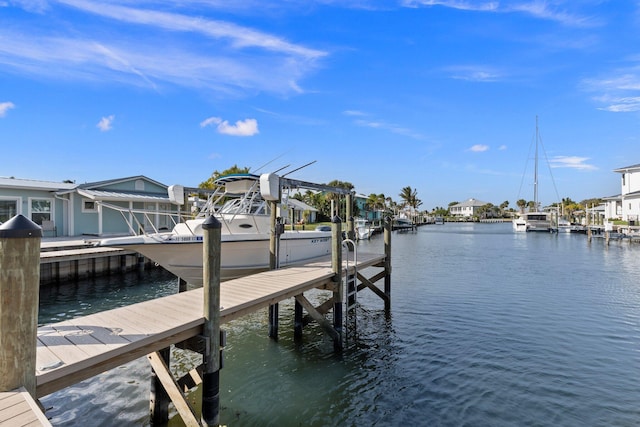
[
  {"x": 503, "y": 206},
  {"x": 340, "y": 200},
  {"x": 521, "y": 203},
  {"x": 376, "y": 202},
  {"x": 410, "y": 197},
  {"x": 210, "y": 183}
]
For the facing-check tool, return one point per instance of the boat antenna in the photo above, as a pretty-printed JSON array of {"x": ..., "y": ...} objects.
[
  {"x": 284, "y": 167},
  {"x": 273, "y": 160},
  {"x": 303, "y": 166}
]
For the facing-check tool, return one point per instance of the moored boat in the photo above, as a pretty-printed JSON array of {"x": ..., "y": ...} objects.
[
  {"x": 245, "y": 217},
  {"x": 535, "y": 220}
]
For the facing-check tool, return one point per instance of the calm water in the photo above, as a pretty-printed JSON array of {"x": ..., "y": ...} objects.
[{"x": 487, "y": 328}]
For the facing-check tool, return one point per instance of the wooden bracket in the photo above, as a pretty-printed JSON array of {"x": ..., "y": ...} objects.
[{"x": 171, "y": 386}]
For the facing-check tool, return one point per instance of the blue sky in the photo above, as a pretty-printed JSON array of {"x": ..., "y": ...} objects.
[{"x": 439, "y": 95}]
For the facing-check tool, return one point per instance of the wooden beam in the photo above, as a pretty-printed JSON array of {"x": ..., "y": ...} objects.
[
  {"x": 379, "y": 276},
  {"x": 191, "y": 379},
  {"x": 182, "y": 405},
  {"x": 373, "y": 287},
  {"x": 322, "y": 321}
]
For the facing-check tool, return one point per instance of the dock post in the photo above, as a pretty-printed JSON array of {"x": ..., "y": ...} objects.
[
  {"x": 274, "y": 246},
  {"x": 387, "y": 262},
  {"x": 211, "y": 312},
  {"x": 336, "y": 264},
  {"x": 351, "y": 228},
  {"x": 19, "y": 297},
  {"x": 159, "y": 399},
  {"x": 182, "y": 285},
  {"x": 297, "y": 321}
]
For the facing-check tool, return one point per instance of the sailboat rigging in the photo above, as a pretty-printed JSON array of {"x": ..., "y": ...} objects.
[{"x": 534, "y": 220}]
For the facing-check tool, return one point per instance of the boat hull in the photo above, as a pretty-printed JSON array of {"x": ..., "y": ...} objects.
[{"x": 239, "y": 257}]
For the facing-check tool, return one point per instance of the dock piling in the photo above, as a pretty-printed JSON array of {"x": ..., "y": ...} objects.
[
  {"x": 211, "y": 374},
  {"x": 387, "y": 262},
  {"x": 19, "y": 289}
]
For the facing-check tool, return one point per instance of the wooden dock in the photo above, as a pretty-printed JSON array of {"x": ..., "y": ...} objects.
[
  {"x": 17, "y": 408},
  {"x": 71, "y": 351},
  {"x": 62, "y": 261},
  {"x": 77, "y": 349}
]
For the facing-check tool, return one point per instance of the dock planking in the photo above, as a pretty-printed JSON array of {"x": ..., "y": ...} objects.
[
  {"x": 76, "y": 349},
  {"x": 17, "y": 408}
]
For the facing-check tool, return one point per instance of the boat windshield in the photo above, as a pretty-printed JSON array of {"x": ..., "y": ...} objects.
[
  {"x": 244, "y": 206},
  {"x": 537, "y": 217}
]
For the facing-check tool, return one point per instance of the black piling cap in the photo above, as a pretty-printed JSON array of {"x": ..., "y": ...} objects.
[
  {"x": 211, "y": 223},
  {"x": 20, "y": 226}
]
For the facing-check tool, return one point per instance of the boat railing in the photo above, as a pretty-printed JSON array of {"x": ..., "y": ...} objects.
[{"x": 138, "y": 220}]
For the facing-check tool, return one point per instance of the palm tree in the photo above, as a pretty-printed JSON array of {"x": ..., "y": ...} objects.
[
  {"x": 410, "y": 197},
  {"x": 521, "y": 204},
  {"x": 376, "y": 202},
  {"x": 503, "y": 206}
]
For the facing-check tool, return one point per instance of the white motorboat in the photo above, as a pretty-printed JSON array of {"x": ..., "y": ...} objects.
[
  {"x": 246, "y": 222},
  {"x": 363, "y": 229}
]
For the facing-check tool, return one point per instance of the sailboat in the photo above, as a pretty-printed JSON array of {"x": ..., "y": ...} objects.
[{"x": 534, "y": 220}]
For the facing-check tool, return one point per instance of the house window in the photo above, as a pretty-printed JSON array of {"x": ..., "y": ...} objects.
[
  {"x": 622, "y": 179},
  {"x": 139, "y": 185},
  {"x": 41, "y": 210},
  {"x": 89, "y": 206},
  {"x": 8, "y": 209}
]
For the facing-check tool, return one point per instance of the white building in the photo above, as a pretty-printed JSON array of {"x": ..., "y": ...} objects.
[
  {"x": 466, "y": 209},
  {"x": 626, "y": 205}
]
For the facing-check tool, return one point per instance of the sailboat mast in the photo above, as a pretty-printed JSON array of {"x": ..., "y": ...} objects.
[{"x": 535, "y": 173}]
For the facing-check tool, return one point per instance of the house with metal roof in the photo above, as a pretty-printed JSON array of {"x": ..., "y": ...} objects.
[
  {"x": 93, "y": 209},
  {"x": 626, "y": 205},
  {"x": 35, "y": 200},
  {"x": 466, "y": 209}
]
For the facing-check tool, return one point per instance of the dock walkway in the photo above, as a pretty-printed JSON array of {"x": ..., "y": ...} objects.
[
  {"x": 17, "y": 408},
  {"x": 77, "y": 349}
]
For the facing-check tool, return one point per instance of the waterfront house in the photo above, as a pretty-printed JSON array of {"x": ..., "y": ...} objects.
[
  {"x": 301, "y": 211},
  {"x": 365, "y": 211},
  {"x": 35, "y": 200},
  {"x": 626, "y": 205},
  {"x": 467, "y": 209},
  {"x": 70, "y": 209}
]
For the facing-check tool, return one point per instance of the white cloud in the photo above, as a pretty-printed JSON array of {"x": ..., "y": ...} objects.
[
  {"x": 362, "y": 119},
  {"x": 475, "y": 73},
  {"x": 247, "y": 127},
  {"x": 619, "y": 92},
  {"x": 210, "y": 121},
  {"x": 477, "y": 5},
  {"x": 5, "y": 107},
  {"x": 544, "y": 9},
  {"x": 183, "y": 49},
  {"x": 502, "y": 147},
  {"x": 106, "y": 123},
  {"x": 478, "y": 148},
  {"x": 240, "y": 37},
  {"x": 354, "y": 113},
  {"x": 572, "y": 162}
]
